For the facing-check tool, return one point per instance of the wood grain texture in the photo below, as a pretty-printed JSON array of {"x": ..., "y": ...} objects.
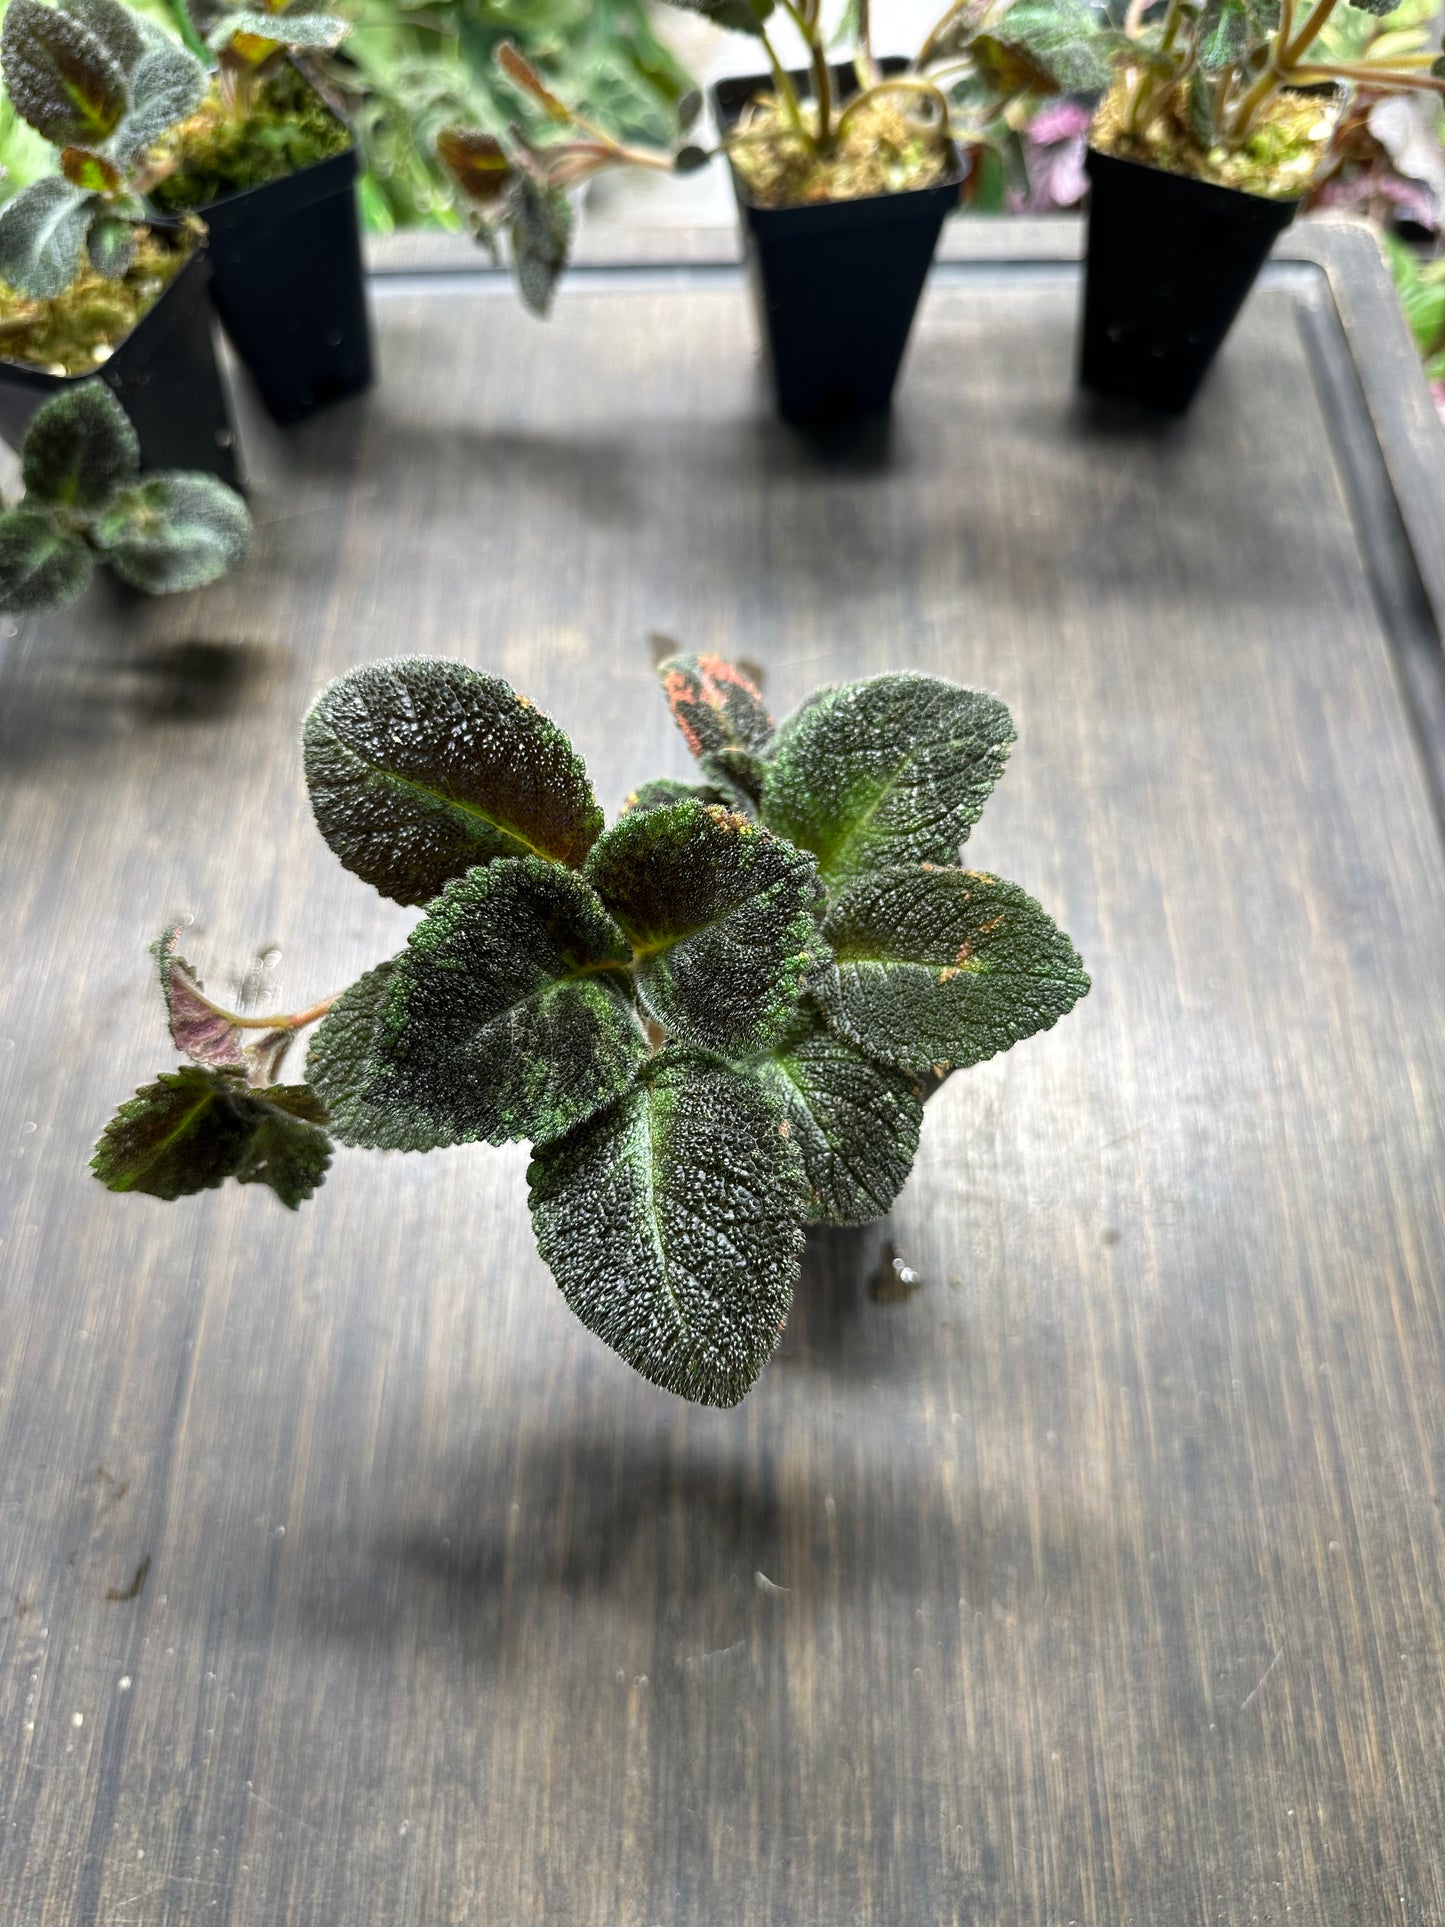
[{"x": 1102, "y": 1579}]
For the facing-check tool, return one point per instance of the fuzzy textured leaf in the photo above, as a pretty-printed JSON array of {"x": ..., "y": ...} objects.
[
  {"x": 855, "y": 1122},
  {"x": 42, "y": 565},
  {"x": 663, "y": 791},
  {"x": 670, "y": 1221},
  {"x": 171, "y": 532},
  {"x": 508, "y": 1014},
  {"x": 721, "y": 915},
  {"x": 714, "y": 704},
  {"x": 194, "y": 1128},
  {"x": 542, "y": 223},
  {"x": 42, "y": 236},
  {"x": 889, "y": 771},
  {"x": 1044, "y": 46},
  {"x": 79, "y": 448},
  {"x": 66, "y": 63},
  {"x": 308, "y": 32},
  {"x": 1377, "y": 7},
  {"x": 343, "y": 1067},
  {"x": 200, "y": 1029},
  {"x": 168, "y": 84},
  {"x": 940, "y": 967},
  {"x": 110, "y": 245},
  {"x": 419, "y": 770}
]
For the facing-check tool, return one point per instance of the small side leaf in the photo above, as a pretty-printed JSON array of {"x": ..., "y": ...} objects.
[
  {"x": 419, "y": 770},
  {"x": 721, "y": 915},
  {"x": 522, "y": 74},
  {"x": 194, "y": 1128},
  {"x": 42, "y": 565},
  {"x": 172, "y": 532},
  {"x": 79, "y": 448},
  {"x": 508, "y": 1014},
  {"x": 342, "y": 1065},
  {"x": 200, "y": 1029},
  {"x": 939, "y": 967},
  {"x": 42, "y": 236},
  {"x": 477, "y": 162},
  {"x": 1049, "y": 46},
  {"x": 893, "y": 770},
  {"x": 714, "y": 704},
  {"x": 670, "y": 1221},
  {"x": 855, "y": 1122},
  {"x": 663, "y": 791},
  {"x": 542, "y": 224},
  {"x": 111, "y": 245}
]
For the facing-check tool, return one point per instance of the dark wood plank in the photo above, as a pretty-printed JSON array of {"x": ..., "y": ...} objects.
[{"x": 1098, "y": 1581}]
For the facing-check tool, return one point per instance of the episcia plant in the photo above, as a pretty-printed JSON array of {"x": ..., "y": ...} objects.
[
  {"x": 103, "y": 85},
  {"x": 261, "y": 117},
  {"x": 715, "y": 1021},
  {"x": 1244, "y": 92},
  {"x": 969, "y": 85},
  {"x": 86, "y": 501}
]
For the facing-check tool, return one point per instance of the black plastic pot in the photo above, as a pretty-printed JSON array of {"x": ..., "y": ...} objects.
[
  {"x": 836, "y": 283},
  {"x": 286, "y": 278},
  {"x": 1170, "y": 262},
  {"x": 165, "y": 375}
]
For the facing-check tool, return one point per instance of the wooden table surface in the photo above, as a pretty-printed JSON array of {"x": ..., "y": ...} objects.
[{"x": 1101, "y": 1579}]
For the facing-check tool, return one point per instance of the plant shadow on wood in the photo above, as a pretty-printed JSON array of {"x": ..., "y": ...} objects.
[{"x": 55, "y": 706}]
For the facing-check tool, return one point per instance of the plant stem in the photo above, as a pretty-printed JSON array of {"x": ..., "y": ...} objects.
[
  {"x": 822, "y": 79},
  {"x": 939, "y": 28},
  {"x": 897, "y": 84},
  {"x": 1368, "y": 74},
  {"x": 1141, "y": 106},
  {"x": 864, "y": 65},
  {"x": 298, "y": 1020},
  {"x": 787, "y": 93},
  {"x": 1291, "y": 50}
]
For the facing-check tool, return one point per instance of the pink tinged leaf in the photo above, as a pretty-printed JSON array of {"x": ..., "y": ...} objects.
[
  {"x": 1062, "y": 120},
  {"x": 200, "y": 1030}
]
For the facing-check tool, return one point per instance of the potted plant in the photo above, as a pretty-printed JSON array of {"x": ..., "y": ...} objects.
[
  {"x": 90, "y": 284},
  {"x": 1219, "y": 119},
  {"x": 271, "y": 168},
  {"x": 86, "y": 501},
  {"x": 715, "y": 1021},
  {"x": 843, "y": 174}
]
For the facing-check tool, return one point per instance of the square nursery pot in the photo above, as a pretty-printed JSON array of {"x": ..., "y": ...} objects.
[
  {"x": 165, "y": 376},
  {"x": 1170, "y": 261},
  {"x": 836, "y": 283},
  {"x": 287, "y": 282}
]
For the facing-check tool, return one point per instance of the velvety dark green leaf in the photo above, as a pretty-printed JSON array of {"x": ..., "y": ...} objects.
[
  {"x": 738, "y": 16},
  {"x": 893, "y": 770},
  {"x": 168, "y": 84},
  {"x": 186, "y": 1132},
  {"x": 721, "y": 915},
  {"x": 671, "y": 1223},
  {"x": 508, "y": 1014},
  {"x": 739, "y": 773},
  {"x": 663, "y": 791},
  {"x": 171, "y": 532},
  {"x": 194, "y": 1128},
  {"x": 940, "y": 967},
  {"x": 289, "y": 1148},
  {"x": 1202, "y": 93},
  {"x": 689, "y": 110},
  {"x": 42, "y": 236},
  {"x": 542, "y": 223},
  {"x": 1377, "y": 7},
  {"x": 714, "y": 704},
  {"x": 79, "y": 448},
  {"x": 66, "y": 63},
  {"x": 855, "y": 1122},
  {"x": 42, "y": 565},
  {"x": 342, "y": 1065},
  {"x": 420, "y": 770}
]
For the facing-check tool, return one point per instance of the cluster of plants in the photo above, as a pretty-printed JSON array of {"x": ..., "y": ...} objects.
[
  {"x": 714, "y": 1021},
  {"x": 86, "y": 501}
]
